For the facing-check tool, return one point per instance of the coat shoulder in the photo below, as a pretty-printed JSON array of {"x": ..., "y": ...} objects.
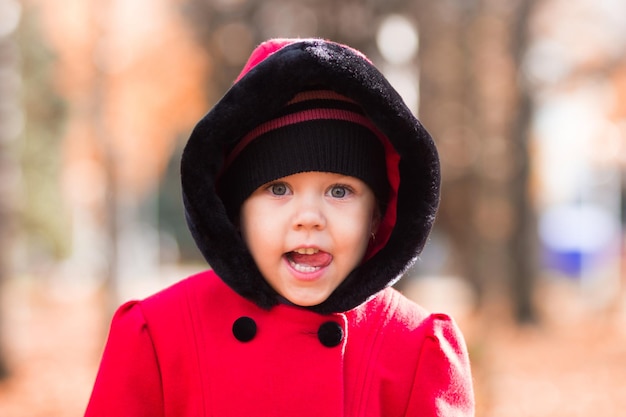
[
  {"x": 403, "y": 321},
  {"x": 394, "y": 309},
  {"x": 402, "y": 344}
]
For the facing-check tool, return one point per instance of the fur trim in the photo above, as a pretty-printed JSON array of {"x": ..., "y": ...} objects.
[{"x": 264, "y": 87}]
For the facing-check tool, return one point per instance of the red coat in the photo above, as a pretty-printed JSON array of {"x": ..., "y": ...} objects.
[
  {"x": 177, "y": 354},
  {"x": 226, "y": 346}
]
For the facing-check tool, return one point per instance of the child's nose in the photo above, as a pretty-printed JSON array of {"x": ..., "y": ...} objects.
[{"x": 309, "y": 215}]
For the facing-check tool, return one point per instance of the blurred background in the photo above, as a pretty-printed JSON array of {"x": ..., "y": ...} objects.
[{"x": 526, "y": 100}]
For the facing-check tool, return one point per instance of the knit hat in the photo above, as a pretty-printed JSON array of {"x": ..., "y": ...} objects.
[{"x": 316, "y": 131}]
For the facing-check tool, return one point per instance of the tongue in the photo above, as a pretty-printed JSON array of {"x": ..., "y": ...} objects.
[{"x": 315, "y": 260}]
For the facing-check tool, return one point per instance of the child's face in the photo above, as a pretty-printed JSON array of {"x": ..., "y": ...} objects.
[{"x": 308, "y": 231}]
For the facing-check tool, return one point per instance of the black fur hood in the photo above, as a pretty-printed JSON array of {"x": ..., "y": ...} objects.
[{"x": 276, "y": 71}]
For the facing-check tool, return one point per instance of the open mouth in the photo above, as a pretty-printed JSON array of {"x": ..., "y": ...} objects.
[{"x": 307, "y": 260}]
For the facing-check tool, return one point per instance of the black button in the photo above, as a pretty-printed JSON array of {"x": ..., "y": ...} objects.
[
  {"x": 244, "y": 329},
  {"x": 330, "y": 334}
]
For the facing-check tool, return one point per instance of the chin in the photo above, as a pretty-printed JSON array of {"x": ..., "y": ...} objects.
[{"x": 307, "y": 301}]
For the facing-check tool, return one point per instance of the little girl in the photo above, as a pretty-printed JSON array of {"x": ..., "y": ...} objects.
[{"x": 309, "y": 188}]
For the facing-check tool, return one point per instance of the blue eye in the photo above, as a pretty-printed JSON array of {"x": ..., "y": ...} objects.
[
  {"x": 339, "y": 191},
  {"x": 278, "y": 189}
]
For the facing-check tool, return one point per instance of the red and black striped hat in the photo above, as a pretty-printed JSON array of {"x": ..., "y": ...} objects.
[{"x": 318, "y": 130}]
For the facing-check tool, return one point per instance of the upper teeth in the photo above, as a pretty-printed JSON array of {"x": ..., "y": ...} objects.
[{"x": 306, "y": 251}]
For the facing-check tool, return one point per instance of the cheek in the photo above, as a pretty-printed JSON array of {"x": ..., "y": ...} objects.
[
  {"x": 359, "y": 227},
  {"x": 370, "y": 217},
  {"x": 247, "y": 222},
  {"x": 256, "y": 224}
]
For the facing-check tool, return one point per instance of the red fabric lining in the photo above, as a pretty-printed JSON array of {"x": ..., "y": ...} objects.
[
  {"x": 261, "y": 52},
  {"x": 319, "y": 94},
  {"x": 389, "y": 220}
]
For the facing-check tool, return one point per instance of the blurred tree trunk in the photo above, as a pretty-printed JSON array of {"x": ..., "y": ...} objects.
[
  {"x": 475, "y": 108},
  {"x": 9, "y": 105},
  {"x": 111, "y": 204},
  {"x": 104, "y": 143},
  {"x": 445, "y": 81},
  {"x": 5, "y": 226},
  {"x": 4, "y": 248},
  {"x": 524, "y": 243}
]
